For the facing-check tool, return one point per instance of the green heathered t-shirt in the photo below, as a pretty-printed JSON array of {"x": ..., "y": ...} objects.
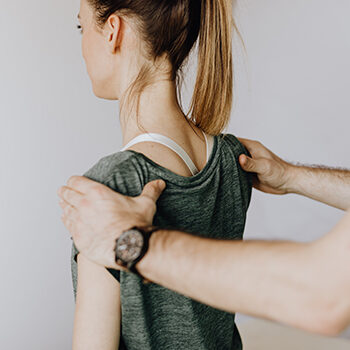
[{"x": 212, "y": 203}]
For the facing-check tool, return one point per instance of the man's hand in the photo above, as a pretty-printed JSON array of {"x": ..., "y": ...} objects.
[
  {"x": 95, "y": 215},
  {"x": 272, "y": 173}
]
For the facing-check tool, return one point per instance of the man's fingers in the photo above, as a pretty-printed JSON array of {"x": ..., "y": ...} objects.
[
  {"x": 259, "y": 166},
  {"x": 71, "y": 196},
  {"x": 81, "y": 184},
  {"x": 69, "y": 211},
  {"x": 247, "y": 163},
  {"x": 68, "y": 223},
  {"x": 153, "y": 189},
  {"x": 76, "y": 187}
]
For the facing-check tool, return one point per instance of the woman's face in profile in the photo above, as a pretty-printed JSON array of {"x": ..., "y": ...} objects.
[{"x": 101, "y": 64}]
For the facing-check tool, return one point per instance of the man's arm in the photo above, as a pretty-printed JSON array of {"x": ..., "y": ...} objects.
[
  {"x": 301, "y": 284},
  {"x": 327, "y": 185},
  {"x": 305, "y": 285},
  {"x": 274, "y": 175}
]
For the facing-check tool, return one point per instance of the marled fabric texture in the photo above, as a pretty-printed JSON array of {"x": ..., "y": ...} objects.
[{"x": 212, "y": 203}]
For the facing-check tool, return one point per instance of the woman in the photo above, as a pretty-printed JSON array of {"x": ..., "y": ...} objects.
[{"x": 134, "y": 52}]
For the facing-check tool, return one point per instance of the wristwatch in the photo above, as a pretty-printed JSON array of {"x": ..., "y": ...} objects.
[{"x": 132, "y": 246}]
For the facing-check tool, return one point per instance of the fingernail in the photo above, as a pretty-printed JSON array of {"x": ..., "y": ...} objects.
[{"x": 161, "y": 184}]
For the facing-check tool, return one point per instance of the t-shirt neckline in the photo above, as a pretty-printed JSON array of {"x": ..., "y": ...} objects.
[{"x": 184, "y": 180}]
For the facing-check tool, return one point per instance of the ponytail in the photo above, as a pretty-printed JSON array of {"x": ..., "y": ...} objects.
[
  {"x": 180, "y": 24},
  {"x": 212, "y": 99}
]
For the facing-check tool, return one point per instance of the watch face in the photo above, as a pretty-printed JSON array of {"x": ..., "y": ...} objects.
[{"x": 129, "y": 245}]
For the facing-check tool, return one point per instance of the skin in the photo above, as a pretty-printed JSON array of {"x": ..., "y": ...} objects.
[
  {"x": 113, "y": 56},
  {"x": 93, "y": 214},
  {"x": 113, "y": 60},
  {"x": 291, "y": 276},
  {"x": 327, "y": 185},
  {"x": 301, "y": 285}
]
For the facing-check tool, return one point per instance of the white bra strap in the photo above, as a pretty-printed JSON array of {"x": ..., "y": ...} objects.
[
  {"x": 206, "y": 144},
  {"x": 167, "y": 142}
]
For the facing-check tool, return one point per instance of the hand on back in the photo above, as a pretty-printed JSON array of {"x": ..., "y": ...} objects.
[{"x": 96, "y": 216}]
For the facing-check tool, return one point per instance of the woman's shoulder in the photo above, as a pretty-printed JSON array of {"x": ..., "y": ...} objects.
[
  {"x": 234, "y": 143},
  {"x": 231, "y": 155},
  {"x": 120, "y": 171}
]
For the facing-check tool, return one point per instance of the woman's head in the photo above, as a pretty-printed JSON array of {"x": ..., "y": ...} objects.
[{"x": 129, "y": 44}]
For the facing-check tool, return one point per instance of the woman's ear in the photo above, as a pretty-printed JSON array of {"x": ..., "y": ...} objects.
[{"x": 113, "y": 32}]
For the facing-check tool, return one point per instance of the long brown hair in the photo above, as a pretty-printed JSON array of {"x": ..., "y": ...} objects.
[{"x": 171, "y": 28}]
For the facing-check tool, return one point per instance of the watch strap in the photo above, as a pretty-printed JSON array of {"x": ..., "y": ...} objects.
[{"x": 146, "y": 232}]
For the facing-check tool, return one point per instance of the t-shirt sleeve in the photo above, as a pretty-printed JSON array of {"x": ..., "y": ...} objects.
[
  {"x": 246, "y": 178},
  {"x": 121, "y": 173}
]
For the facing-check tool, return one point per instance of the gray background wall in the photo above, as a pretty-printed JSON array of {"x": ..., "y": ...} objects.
[{"x": 292, "y": 94}]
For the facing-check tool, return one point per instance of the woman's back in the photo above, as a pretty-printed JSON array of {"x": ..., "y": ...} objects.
[
  {"x": 186, "y": 156},
  {"x": 212, "y": 203}
]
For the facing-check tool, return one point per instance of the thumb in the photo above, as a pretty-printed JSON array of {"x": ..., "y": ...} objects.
[
  {"x": 259, "y": 166},
  {"x": 247, "y": 163},
  {"x": 153, "y": 189}
]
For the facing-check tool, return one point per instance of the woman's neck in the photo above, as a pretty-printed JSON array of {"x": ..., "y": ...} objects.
[{"x": 159, "y": 112}]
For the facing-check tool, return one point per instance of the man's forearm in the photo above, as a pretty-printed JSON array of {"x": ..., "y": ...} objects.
[
  {"x": 327, "y": 185},
  {"x": 294, "y": 283},
  {"x": 275, "y": 175}
]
